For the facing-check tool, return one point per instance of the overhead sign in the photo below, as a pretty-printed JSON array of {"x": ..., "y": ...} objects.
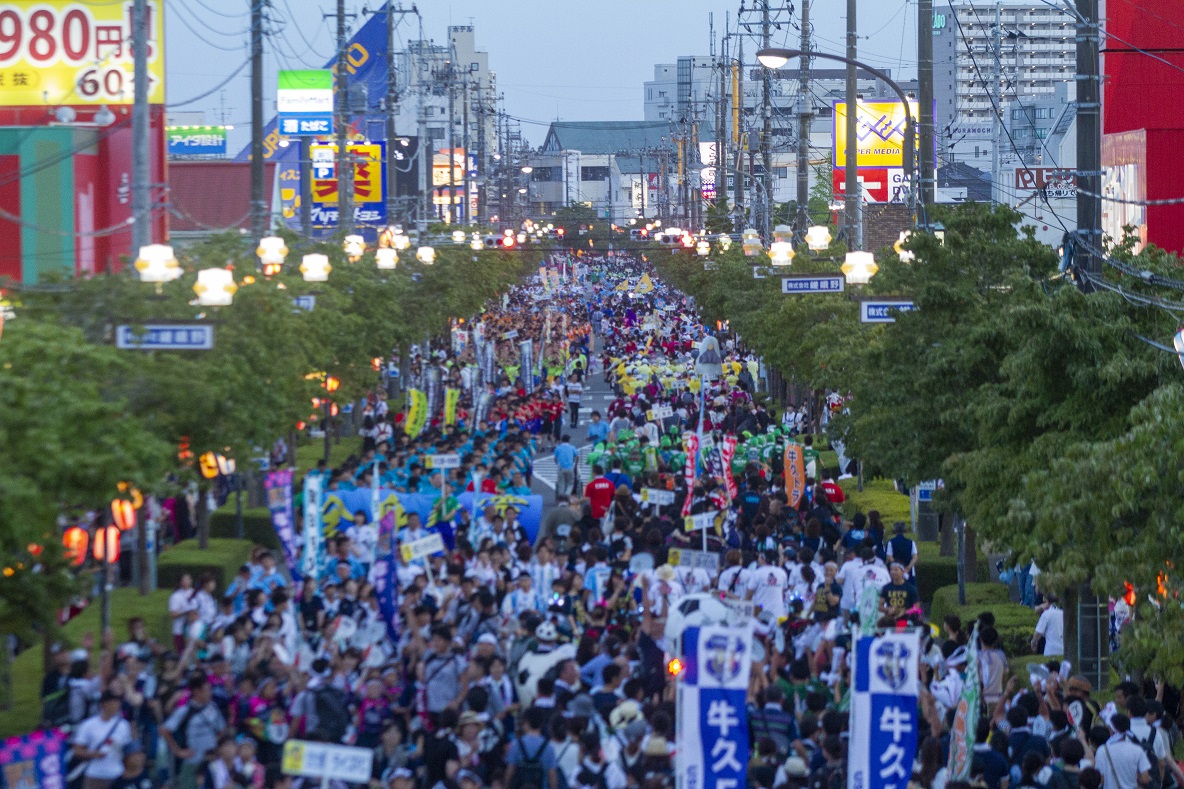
[
  {"x": 196, "y": 140},
  {"x": 426, "y": 546},
  {"x": 304, "y": 102},
  {"x": 879, "y": 133},
  {"x": 657, "y": 496},
  {"x": 883, "y": 310},
  {"x": 704, "y": 520},
  {"x": 369, "y": 176},
  {"x": 809, "y": 283},
  {"x": 925, "y": 490},
  {"x": 695, "y": 560},
  {"x": 324, "y": 760},
  {"x": 442, "y": 462},
  {"x": 54, "y": 52},
  {"x": 165, "y": 337}
]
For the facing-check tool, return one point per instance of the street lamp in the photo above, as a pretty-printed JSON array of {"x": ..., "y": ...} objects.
[
  {"x": 781, "y": 253},
  {"x": 859, "y": 267},
  {"x": 703, "y": 248},
  {"x": 271, "y": 251},
  {"x": 751, "y": 243},
  {"x": 426, "y": 255},
  {"x": 905, "y": 255},
  {"x": 458, "y": 236},
  {"x": 776, "y": 58},
  {"x": 214, "y": 287},
  {"x": 157, "y": 264},
  {"x": 386, "y": 259},
  {"x": 315, "y": 267},
  {"x": 818, "y": 238},
  {"x": 725, "y": 242},
  {"x": 354, "y": 247}
]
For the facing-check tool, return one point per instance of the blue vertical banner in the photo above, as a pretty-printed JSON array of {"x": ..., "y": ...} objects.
[
  {"x": 314, "y": 540},
  {"x": 713, "y": 742},
  {"x": 884, "y": 716},
  {"x": 278, "y": 485},
  {"x": 386, "y": 578}
]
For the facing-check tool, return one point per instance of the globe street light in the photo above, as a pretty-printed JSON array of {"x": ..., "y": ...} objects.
[
  {"x": 315, "y": 267},
  {"x": 860, "y": 267},
  {"x": 818, "y": 238},
  {"x": 776, "y": 58}
]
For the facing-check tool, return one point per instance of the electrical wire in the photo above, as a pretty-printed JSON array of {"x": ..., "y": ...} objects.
[
  {"x": 212, "y": 90},
  {"x": 216, "y": 12},
  {"x": 300, "y": 32},
  {"x": 100, "y": 233},
  {"x": 202, "y": 38}
]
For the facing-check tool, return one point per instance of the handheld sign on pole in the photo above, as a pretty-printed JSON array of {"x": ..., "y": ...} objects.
[
  {"x": 883, "y": 310},
  {"x": 441, "y": 462},
  {"x": 808, "y": 283},
  {"x": 657, "y": 497},
  {"x": 704, "y": 520},
  {"x": 510, "y": 334},
  {"x": 696, "y": 560},
  {"x": 659, "y": 412},
  {"x": 324, "y": 760},
  {"x": 425, "y": 546}
]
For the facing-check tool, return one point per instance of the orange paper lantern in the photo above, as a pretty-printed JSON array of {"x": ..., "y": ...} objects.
[
  {"x": 106, "y": 547},
  {"x": 75, "y": 541},
  {"x": 123, "y": 514}
]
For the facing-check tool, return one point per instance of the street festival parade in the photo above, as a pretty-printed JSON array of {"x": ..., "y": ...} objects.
[{"x": 815, "y": 425}]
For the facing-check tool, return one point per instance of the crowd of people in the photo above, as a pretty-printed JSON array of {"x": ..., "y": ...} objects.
[{"x": 520, "y": 662}]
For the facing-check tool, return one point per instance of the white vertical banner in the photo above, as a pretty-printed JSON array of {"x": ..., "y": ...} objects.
[
  {"x": 713, "y": 741},
  {"x": 313, "y": 540},
  {"x": 883, "y": 739}
]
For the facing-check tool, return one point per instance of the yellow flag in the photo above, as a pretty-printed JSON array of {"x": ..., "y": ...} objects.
[
  {"x": 624, "y": 286},
  {"x": 451, "y": 400},
  {"x": 644, "y": 285}
]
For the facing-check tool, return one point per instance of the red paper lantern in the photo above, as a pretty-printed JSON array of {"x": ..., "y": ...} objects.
[
  {"x": 75, "y": 542},
  {"x": 123, "y": 513},
  {"x": 106, "y": 547}
]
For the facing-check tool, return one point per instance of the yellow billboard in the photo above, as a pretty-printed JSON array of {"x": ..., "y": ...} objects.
[
  {"x": 879, "y": 133},
  {"x": 54, "y": 52}
]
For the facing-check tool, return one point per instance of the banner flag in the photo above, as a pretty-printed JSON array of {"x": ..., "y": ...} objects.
[
  {"x": 278, "y": 487},
  {"x": 883, "y": 741},
  {"x": 962, "y": 736},
  {"x": 314, "y": 543},
  {"x": 795, "y": 474},
  {"x": 690, "y": 443},
  {"x": 713, "y": 741}
]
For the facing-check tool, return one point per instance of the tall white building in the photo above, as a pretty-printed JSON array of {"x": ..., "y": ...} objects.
[{"x": 1036, "y": 52}]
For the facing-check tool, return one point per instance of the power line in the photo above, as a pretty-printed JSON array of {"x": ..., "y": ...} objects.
[
  {"x": 202, "y": 38},
  {"x": 212, "y": 90}
]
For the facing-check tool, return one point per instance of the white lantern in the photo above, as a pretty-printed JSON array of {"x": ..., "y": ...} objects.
[
  {"x": 426, "y": 255},
  {"x": 354, "y": 247},
  {"x": 703, "y": 248},
  {"x": 521, "y": 238},
  {"x": 860, "y": 267},
  {"x": 386, "y": 237},
  {"x": 818, "y": 238},
  {"x": 752, "y": 242},
  {"x": 458, "y": 236},
  {"x": 725, "y": 242},
  {"x": 783, "y": 233},
  {"x": 215, "y": 287},
  {"x": 905, "y": 255},
  {"x": 157, "y": 264},
  {"x": 386, "y": 259},
  {"x": 272, "y": 251},
  {"x": 476, "y": 244},
  {"x": 315, "y": 268},
  {"x": 402, "y": 242},
  {"x": 781, "y": 253}
]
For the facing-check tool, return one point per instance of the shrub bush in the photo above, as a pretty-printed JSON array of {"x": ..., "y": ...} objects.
[
  {"x": 221, "y": 560},
  {"x": 256, "y": 526},
  {"x": 1014, "y": 622}
]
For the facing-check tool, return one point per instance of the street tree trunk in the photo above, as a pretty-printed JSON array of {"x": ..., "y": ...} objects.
[{"x": 203, "y": 519}]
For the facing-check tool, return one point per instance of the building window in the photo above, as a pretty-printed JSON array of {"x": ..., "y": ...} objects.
[
  {"x": 661, "y": 94},
  {"x": 593, "y": 173},
  {"x": 780, "y": 172},
  {"x": 474, "y": 67},
  {"x": 547, "y": 174}
]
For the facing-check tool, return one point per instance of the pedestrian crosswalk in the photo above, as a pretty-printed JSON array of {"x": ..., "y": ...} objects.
[{"x": 547, "y": 472}]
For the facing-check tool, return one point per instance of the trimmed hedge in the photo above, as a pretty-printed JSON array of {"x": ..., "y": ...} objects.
[
  {"x": 935, "y": 571},
  {"x": 257, "y": 526},
  {"x": 221, "y": 560},
  {"x": 1014, "y": 622}
]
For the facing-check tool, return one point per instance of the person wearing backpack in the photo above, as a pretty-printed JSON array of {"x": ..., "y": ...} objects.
[
  {"x": 97, "y": 756},
  {"x": 1153, "y": 741},
  {"x": 192, "y": 731},
  {"x": 594, "y": 772},
  {"x": 530, "y": 758}
]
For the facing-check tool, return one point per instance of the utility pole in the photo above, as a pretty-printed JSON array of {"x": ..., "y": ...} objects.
[
  {"x": 1089, "y": 140},
  {"x": 468, "y": 219},
  {"x": 925, "y": 111},
  {"x": 258, "y": 203},
  {"x": 766, "y": 131},
  {"x": 852, "y": 199},
  {"x": 345, "y": 168},
  {"x": 450, "y": 76},
  {"x": 721, "y": 156},
  {"x": 426, "y": 159},
  {"x": 804, "y": 118},
  {"x": 141, "y": 175},
  {"x": 737, "y": 132},
  {"x": 997, "y": 104}
]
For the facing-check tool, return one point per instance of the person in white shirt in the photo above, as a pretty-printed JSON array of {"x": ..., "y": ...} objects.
[
  {"x": 1122, "y": 763},
  {"x": 848, "y": 572},
  {"x": 665, "y": 590},
  {"x": 733, "y": 580},
  {"x": 180, "y": 602},
  {"x": 1051, "y": 625},
  {"x": 98, "y": 742},
  {"x": 871, "y": 574},
  {"x": 767, "y": 584}
]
